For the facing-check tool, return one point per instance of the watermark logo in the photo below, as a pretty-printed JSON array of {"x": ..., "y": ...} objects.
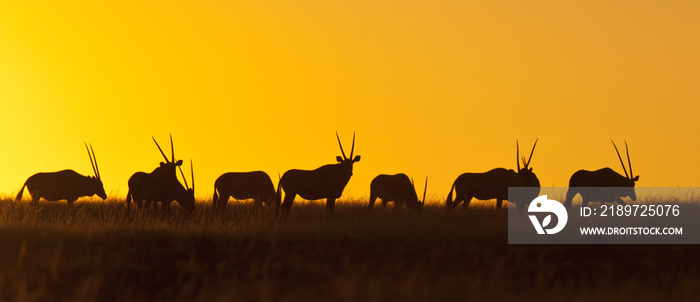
[{"x": 543, "y": 205}]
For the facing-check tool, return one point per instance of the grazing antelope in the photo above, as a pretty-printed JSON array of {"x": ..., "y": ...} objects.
[
  {"x": 589, "y": 184},
  {"x": 397, "y": 188},
  {"x": 161, "y": 185},
  {"x": 494, "y": 184},
  {"x": 255, "y": 185},
  {"x": 65, "y": 184},
  {"x": 325, "y": 182},
  {"x": 186, "y": 194}
]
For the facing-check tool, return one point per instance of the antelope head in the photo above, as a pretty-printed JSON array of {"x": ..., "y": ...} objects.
[
  {"x": 631, "y": 179},
  {"x": 172, "y": 150},
  {"x": 527, "y": 177},
  {"x": 421, "y": 203},
  {"x": 526, "y": 163},
  {"x": 188, "y": 198},
  {"x": 96, "y": 180},
  {"x": 347, "y": 162}
]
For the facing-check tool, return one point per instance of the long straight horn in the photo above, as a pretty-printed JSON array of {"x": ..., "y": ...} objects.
[
  {"x": 620, "y": 157},
  {"x": 97, "y": 168},
  {"x": 425, "y": 190},
  {"x": 91, "y": 162},
  {"x": 161, "y": 150},
  {"x": 192, "y": 170},
  {"x": 341, "y": 145},
  {"x": 172, "y": 149},
  {"x": 517, "y": 154},
  {"x": 353, "y": 145},
  {"x": 531, "y": 152},
  {"x": 183, "y": 177},
  {"x": 629, "y": 162}
]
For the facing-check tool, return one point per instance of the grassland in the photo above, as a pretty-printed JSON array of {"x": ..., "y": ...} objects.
[{"x": 97, "y": 251}]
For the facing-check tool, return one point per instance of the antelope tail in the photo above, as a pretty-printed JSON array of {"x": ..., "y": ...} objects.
[
  {"x": 570, "y": 194},
  {"x": 215, "y": 198},
  {"x": 278, "y": 196},
  {"x": 19, "y": 195},
  {"x": 128, "y": 200},
  {"x": 449, "y": 196}
]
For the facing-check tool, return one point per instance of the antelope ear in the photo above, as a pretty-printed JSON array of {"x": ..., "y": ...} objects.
[
  {"x": 357, "y": 158},
  {"x": 530, "y": 169},
  {"x": 162, "y": 164},
  {"x": 636, "y": 178},
  {"x": 339, "y": 159},
  {"x": 179, "y": 163}
]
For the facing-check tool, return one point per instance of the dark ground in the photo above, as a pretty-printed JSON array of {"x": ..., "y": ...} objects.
[{"x": 97, "y": 252}]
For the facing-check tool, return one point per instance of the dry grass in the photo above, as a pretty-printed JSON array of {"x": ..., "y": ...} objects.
[{"x": 96, "y": 251}]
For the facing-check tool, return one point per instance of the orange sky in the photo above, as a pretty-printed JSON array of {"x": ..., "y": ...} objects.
[{"x": 433, "y": 88}]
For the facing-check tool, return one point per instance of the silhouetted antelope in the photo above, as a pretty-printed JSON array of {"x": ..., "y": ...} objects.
[
  {"x": 587, "y": 183},
  {"x": 65, "y": 184},
  {"x": 255, "y": 185},
  {"x": 161, "y": 185},
  {"x": 494, "y": 184},
  {"x": 186, "y": 194},
  {"x": 397, "y": 188},
  {"x": 325, "y": 182}
]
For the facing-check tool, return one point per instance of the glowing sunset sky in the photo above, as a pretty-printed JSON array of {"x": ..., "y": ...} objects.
[{"x": 433, "y": 88}]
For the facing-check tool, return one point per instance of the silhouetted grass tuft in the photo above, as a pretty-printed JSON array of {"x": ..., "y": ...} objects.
[{"x": 99, "y": 251}]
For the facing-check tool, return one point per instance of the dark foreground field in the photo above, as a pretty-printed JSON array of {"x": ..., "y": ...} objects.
[{"x": 97, "y": 252}]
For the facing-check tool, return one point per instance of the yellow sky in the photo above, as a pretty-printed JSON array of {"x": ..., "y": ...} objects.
[{"x": 433, "y": 88}]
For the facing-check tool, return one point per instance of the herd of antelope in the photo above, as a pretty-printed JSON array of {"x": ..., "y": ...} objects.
[{"x": 326, "y": 182}]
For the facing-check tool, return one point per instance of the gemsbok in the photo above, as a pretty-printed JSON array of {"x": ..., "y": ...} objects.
[
  {"x": 182, "y": 193},
  {"x": 161, "y": 185},
  {"x": 65, "y": 184},
  {"x": 494, "y": 184},
  {"x": 327, "y": 181},
  {"x": 255, "y": 185},
  {"x": 397, "y": 188},
  {"x": 603, "y": 185}
]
